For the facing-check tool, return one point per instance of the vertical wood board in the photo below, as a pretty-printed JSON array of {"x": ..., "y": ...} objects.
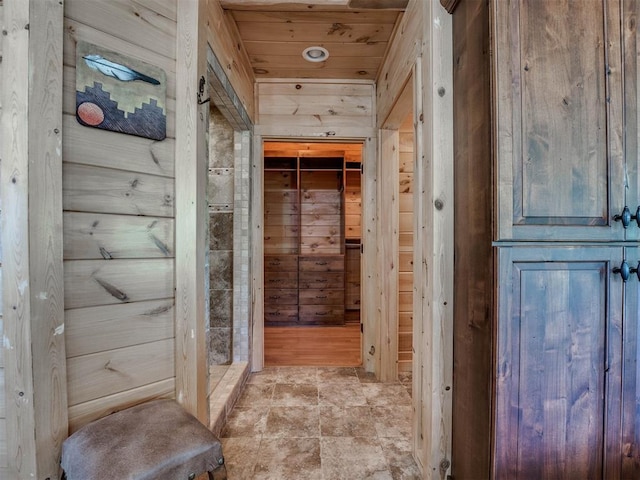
[{"x": 191, "y": 211}]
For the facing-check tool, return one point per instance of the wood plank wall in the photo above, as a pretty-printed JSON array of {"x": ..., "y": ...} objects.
[
  {"x": 3, "y": 415},
  {"x": 329, "y": 106},
  {"x": 405, "y": 251},
  {"x": 118, "y": 201}
]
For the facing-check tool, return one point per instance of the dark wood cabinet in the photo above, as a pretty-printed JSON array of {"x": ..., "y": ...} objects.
[{"x": 546, "y": 290}]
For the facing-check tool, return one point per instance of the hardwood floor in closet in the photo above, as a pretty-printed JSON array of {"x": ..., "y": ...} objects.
[{"x": 323, "y": 346}]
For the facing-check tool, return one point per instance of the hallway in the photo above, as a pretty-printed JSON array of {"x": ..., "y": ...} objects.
[{"x": 299, "y": 423}]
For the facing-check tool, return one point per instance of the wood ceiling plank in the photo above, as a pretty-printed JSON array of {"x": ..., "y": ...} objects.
[
  {"x": 296, "y": 62},
  {"x": 340, "y": 73},
  {"x": 314, "y": 88},
  {"x": 368, "y": 17},
  {"x": 373, "y": 49},
  {"x": 315, "y": 32}
]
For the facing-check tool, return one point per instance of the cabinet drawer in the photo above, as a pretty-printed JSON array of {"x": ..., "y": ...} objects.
[
  {"x": 280, "y": 263},
  {"x": 322, "y": 280},
  {"x": 278, "y": 280},
  {"x": 280, "y": 297},
  {"x": 325, "y": 263},
  {"x": 321, "y": 297},
  {"x": 321, "y": 314},
  {"x": 281, "y": 314}
]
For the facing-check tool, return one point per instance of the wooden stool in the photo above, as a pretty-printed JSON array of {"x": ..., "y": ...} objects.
[{"x": 157, "y": 440}]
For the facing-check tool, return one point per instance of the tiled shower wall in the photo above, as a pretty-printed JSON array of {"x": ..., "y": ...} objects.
[
  {"x": 228, "y": 200},
  {"x": 220, "y": 198}
]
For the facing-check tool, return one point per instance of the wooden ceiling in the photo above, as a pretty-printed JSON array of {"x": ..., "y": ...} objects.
[{"x": 275, "y": 33}]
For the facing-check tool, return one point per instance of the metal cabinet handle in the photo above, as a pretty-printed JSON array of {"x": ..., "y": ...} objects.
[
  {"x": 321, "y": 296},
  {"x": 626, "y": 218},
  {"x": 321, "y": 263},
  {"x": 624, "y": 270}
]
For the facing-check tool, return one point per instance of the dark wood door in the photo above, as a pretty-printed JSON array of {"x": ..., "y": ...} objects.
[
  {"x": 559, "y": 368},
  {"x": 559, "y": 119}
]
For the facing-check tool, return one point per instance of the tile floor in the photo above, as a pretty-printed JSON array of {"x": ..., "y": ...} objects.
[{"x": 307, "y": 423}]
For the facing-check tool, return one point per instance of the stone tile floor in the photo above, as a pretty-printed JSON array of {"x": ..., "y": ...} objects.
[{"x": 308, "y": 423}]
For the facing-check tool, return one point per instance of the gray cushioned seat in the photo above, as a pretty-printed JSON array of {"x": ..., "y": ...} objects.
[{"x": 157, "y": 440}]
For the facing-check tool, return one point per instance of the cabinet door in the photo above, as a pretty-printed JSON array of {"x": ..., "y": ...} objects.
[
  {"x": 631, "y": 41},
  {"x": 558, "y": 376},
  {"x": 559, "y": 117},
  {"x": 631, "y": 372}
]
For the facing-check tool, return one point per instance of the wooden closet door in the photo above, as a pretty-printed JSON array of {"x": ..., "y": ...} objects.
[
  {"x": 559, "y": 117},
  {"x": 559, "y": 368}
]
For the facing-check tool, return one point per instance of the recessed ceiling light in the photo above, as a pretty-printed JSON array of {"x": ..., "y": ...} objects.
[{"x": 315, "y": 54}]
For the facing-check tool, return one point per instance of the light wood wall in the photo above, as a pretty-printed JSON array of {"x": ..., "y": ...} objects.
[
  {"x": 119, "y": 227},
  {"x": 3, "y": 401},
  {"x": 405, "y": 251},
  {"x": 331, "y": 107}
]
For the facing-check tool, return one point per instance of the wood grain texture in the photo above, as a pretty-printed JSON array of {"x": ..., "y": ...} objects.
[
  {"x": 127, "y": 20},
  {"x": 369, "y": 302},
  {"x": 191, "y": 211},
  {"x": 552, "y": 357},
  {"x": 101, "y": 148},
  {"x": 224, "y": 40},
  {"x": 388, "y": 226},
  {"x": 553, "y": 172},
  {"x": 101, "y": 374},
  {"x": 312, "y": 346},
  {"x": 45, "y": 243},
  {"x": 104, "y": 190},
  {"x": 101, "y": 236},
  {"x": 275, "y": 40},
  {"x": 107, "y": 327},
  {"x": 433, "y": 258},
  {"x": 405, "y": 254},
  {"x": 473, "y": 233},
  {"x": 257, "y": 255},
  {"x": 20, "y": 422},
  {"x": 315, "y": 105},
  {"x": 84, "y": 413},
  {"x": 107, "y": 282},
  {"x": 400, "y": 58}
]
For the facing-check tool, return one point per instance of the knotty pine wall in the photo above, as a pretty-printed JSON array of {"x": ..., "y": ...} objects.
[
  {"x": 338, "y": 107},
  {"x": 3, "y": 415},
  {"x": 405, "y": 252},
  {"x": 118, "y": 201}
]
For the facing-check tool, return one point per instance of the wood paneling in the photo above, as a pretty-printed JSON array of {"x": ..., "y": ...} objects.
[
  {"x": 101, "y": 236},
  {"x": 104, "y": 190},
  {"x": 123, "y": 20},
  {"x": 557, "y": 362},
  {"x": 104, "y": 373},
  {"x": 405, "y": 253},
  {"x": 313, "y": 104},
  {"x": 104, "y": 282},
  {"x": 400, "y": 58},
  {"x": 474, "y": 279},
  {"x": 100, "y": 148},
  {"x": 224, "y": 40},
  {"x": 34, "y": 365},
  {"x": 84, "y": 413},
  {"x": 577, "y": 179},
  {"x": 356, "y": 41},
  {"x": 107, "y": 327},
  {"x": 191, "y": 210},
  {"x": 388, "y": 227}
]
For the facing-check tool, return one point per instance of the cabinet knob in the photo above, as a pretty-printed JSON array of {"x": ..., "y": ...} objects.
[
  {"x": 626, "y": 218},
  {"x": 624, "y": 270}
]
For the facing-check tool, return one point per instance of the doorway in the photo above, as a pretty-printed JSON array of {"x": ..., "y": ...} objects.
[{"x": 312, "y": 240}]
